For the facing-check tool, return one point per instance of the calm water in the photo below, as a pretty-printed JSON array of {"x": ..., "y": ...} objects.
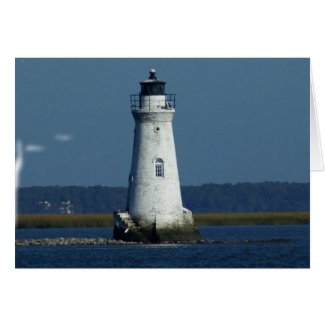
[{"x": 294, "y": 254}]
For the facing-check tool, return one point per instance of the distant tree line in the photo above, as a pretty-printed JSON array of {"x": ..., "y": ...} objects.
[{"x": 241, "y": 197}]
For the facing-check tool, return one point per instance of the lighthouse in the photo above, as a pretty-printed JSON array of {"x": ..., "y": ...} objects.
[{"x": 154, "y": 211}]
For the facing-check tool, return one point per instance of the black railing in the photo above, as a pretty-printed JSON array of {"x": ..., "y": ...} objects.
[{"x": 170, "y": 101}]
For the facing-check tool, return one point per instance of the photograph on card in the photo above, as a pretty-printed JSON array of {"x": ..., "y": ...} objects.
[{"x": 162, "y": 162}]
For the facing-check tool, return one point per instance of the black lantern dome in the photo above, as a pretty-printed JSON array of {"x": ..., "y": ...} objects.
[{"x": 152, "y": 86}]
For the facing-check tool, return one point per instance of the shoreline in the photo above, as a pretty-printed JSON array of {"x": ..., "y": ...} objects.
[
  {"x": 73, "y": 241},
  {"x": 28, "y": 221}
]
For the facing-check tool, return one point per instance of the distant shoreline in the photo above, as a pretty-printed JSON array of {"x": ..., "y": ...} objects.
[
  {"x": 227, "y": 198},
  {"x": 28, "y": 221}
]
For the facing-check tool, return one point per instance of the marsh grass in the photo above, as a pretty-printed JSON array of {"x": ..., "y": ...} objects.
[
  {"x": 255, "y": 218},
  {"x": 64, "y": 220},
  {"x": 201, "y": 219}
]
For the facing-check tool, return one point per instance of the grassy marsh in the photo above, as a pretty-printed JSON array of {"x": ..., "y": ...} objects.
[
  {"x": 254, "y": 218},
  {"x": 201, "y": 219}
]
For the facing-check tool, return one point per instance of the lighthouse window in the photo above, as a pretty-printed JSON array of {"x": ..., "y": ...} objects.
[{"x": 159, "y": 167}]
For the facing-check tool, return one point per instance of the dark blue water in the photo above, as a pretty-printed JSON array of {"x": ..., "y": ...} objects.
[{"x": 293, "y": 254}]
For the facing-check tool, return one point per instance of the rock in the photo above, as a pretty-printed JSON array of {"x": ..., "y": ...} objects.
[{"x": 107, "y": 241}]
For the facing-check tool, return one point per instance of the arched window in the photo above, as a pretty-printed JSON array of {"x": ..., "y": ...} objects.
[{"x": 159, "y": 167}]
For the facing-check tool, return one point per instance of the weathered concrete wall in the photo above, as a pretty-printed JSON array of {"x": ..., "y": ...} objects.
[{"x": 150, "y": 198}]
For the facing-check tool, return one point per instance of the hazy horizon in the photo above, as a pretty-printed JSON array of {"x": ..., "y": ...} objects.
[{"x": 125, "y": 186}]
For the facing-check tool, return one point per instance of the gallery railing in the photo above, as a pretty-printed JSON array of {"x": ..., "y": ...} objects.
[{"x": 151, "y": 103}]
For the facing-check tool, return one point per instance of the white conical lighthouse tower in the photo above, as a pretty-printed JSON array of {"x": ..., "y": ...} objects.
[{"x": 154, "y": 205}]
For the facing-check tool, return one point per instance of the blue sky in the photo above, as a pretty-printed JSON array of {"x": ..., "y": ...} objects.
[{"x": 236, "y": 120}]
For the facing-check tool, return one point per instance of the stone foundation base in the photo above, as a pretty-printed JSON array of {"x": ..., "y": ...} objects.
[
  {"x": 170, "y": 235},
  {"x": 125, "y": 229}
]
